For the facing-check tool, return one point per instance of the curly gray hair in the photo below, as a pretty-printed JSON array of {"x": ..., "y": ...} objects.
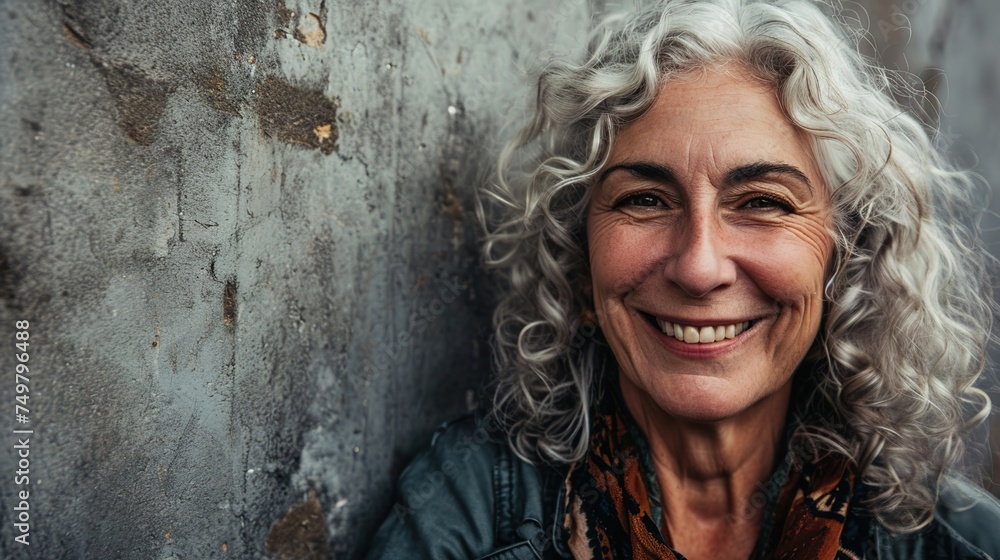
[{"x": 908, "y": 315}]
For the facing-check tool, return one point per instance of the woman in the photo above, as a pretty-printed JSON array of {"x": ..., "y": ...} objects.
[{"x": 741, "y": 319}]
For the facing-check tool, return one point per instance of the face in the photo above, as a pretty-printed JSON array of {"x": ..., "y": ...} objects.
[{"x": 709, "y": 245}]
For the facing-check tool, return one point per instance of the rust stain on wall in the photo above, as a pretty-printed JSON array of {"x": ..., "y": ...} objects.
[
  {"x": 311, "y": 31},
  {"x": 229, "y": 304},
  {"x": 283, "y": 14},
  {"x": 76, "y": 37},
  {"x": 297, "y": 115},
  {"x": 139, "y": 99},
  {"x": 301, "y": 534},
  {"x": 215, "y": 90},
  {"x": 323, "y": 132},
  {"x": 307, "y": 28}
]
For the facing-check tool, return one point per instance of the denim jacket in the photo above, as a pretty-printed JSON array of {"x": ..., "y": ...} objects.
[{"x": 470, "y": 497}]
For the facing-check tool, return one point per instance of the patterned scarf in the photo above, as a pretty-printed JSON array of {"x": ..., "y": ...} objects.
[{"x": 610, "y": 512}]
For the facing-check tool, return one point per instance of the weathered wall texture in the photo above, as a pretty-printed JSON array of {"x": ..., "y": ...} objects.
[{"x": 242, "y": 234}]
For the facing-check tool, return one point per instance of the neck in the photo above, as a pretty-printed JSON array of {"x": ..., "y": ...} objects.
[{"x": 708, "y": 472}]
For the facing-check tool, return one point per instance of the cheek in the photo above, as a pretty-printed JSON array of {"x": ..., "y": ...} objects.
[
  {"x": 792, "y": 266},
  {"x": 621, "y": 257},
  {"x": 787, "y": 279}
]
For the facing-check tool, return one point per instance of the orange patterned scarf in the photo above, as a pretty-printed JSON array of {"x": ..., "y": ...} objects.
[{"x": 610, "y": 514}]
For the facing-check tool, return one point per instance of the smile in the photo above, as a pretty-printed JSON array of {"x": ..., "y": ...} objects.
[{"x": 693, "y": 334}]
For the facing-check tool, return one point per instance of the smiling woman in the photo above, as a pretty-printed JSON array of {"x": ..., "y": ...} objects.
[
  {"x": 742, "y": 316},
  {"x": 706, "y": 219}
]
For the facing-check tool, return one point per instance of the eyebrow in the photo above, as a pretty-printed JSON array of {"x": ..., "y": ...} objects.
[
  {"x": 654, "y": 171},
  {"x": 751, "y": 171},
  {"x": 736, "y": 175}
]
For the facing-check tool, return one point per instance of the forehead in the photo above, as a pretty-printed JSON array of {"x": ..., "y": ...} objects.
[{"x": 717, "y": 117}]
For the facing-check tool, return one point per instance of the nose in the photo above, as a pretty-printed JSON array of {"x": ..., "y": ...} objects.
[{"x": 700, "y": 260}]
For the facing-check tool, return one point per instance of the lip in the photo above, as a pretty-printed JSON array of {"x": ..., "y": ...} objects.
[
  {"x": 699, "y": 323},
  {"x": 701, "y": 350}
]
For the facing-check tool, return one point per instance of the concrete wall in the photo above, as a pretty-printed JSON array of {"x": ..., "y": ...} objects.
[{"x": 242, "y": 235}]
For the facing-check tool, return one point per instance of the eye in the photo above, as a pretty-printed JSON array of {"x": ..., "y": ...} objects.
[
  {"x": 767, "y": 203},
  {"x": 641, "y": 199}
]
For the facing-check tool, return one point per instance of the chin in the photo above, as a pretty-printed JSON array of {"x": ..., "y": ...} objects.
[
  {"x": 703, "y": 401},
  {"x": 705, "y": 412}
]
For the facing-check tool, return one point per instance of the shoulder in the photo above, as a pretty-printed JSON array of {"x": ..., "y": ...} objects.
[
  {"x": 443, "y": 504},
  {"x": 447, "y": 500},
  {"x": 972, "y": 513}
]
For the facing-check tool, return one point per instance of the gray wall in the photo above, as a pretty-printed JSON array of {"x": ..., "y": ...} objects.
[{"x": 242, "y": 233}]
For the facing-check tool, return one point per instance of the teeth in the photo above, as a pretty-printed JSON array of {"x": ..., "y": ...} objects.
[
  {"x": 690, "y": 335},
  {"x": 707, "y": 334},
  {"x": 701, "y": 335}
]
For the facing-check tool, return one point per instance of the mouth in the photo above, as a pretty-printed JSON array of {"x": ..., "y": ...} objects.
[{"x": 698, "y": 334}]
